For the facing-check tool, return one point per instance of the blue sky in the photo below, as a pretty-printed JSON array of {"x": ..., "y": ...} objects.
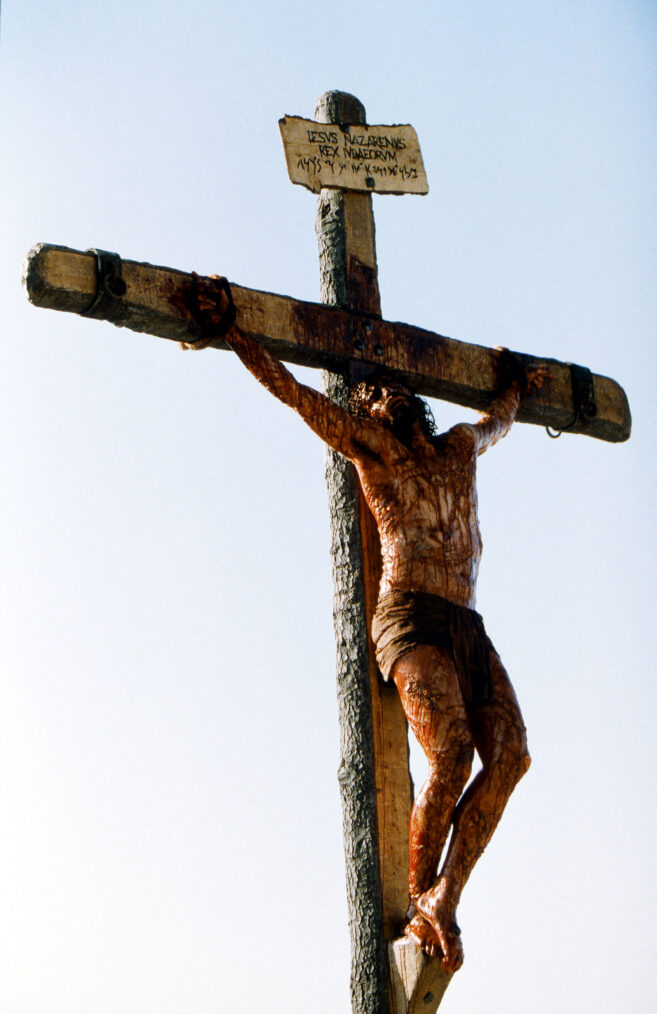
[{"x": 171, "y": 832}]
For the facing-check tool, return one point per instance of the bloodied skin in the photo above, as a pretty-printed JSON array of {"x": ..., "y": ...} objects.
[{"x": 421, "y": 490}]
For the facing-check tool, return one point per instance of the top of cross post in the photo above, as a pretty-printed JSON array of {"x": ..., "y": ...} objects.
[{"x": 340, "y": 107}]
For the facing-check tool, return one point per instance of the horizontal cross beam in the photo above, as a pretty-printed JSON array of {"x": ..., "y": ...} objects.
[{"x": 312, "y": 334}]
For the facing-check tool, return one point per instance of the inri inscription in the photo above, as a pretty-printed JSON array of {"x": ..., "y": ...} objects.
[{"x": 374, "y": 159}]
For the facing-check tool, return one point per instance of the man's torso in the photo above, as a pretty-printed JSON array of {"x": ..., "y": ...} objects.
[{"x": 424, "y": 502}]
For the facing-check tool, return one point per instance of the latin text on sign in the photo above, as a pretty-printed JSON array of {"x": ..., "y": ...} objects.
[{"x": 383, "y": 159}]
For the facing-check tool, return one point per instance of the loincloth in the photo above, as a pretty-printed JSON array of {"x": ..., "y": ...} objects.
[{"x": 405, "y": 620}]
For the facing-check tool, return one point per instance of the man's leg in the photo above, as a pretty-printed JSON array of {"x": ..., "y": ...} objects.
[
  {"x": 500, "y": 738},
  {"x": 429, "y": 690}
]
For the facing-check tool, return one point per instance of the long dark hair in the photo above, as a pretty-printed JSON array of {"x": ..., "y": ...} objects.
[{"x": 419, "y": 408}]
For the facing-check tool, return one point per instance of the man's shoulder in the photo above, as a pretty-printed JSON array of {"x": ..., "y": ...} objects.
[{"x": 460, "y": 439}]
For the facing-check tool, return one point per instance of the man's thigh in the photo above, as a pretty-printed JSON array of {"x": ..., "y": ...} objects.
[
  {"x": 498, "y": 723},
  {"x": 431, "y": 697}
]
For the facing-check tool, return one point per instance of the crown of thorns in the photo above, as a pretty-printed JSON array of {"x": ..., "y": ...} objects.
[{"x": 360, "y": 392}]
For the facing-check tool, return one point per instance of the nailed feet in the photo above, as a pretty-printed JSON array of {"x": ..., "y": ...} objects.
[
  {"x": 443, "y": 936},
  {"x": 424, "y": 935}
]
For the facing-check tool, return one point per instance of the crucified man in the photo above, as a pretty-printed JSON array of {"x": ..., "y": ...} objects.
[{"x": 455, "y": 692}]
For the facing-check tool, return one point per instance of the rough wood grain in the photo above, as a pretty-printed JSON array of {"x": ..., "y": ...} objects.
[
  {"x": 375, "y": 753},
  {"x": 312, "y": 334},
  {"x": 354, "y": 569},
  {"x": 384, "y": 160},
  {"x": 417, "y": 983},
  {"x": 357, "y": 263}
]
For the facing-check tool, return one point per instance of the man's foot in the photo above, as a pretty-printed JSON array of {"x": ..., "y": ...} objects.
[
  {"x": 423, "y": 934},
  {"x": 437, "y": 910}
]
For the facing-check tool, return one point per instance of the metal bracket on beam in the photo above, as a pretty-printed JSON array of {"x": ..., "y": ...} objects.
[
  {"x": 110, "y": 285},
  {"x": 584, "y": 406}
]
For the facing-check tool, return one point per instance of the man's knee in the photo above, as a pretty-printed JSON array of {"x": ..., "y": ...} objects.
[
  {"x": 517, "y": 759},
  {"x": 453, "y": 757},
  {"x": 524, "y": 763},
  {"x": 510, "y": 755}
]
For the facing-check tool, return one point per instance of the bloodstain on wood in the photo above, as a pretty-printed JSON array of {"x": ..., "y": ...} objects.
[{"x": 362, "y": 286}]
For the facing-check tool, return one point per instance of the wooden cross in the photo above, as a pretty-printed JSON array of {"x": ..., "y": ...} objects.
[{"x": 346, "y": 161}]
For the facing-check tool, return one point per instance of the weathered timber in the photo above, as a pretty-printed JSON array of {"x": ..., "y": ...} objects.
[
  {"x": 346, "y": 234},
  {"x": 58, "y": 278},
  {"x": 348, "y": 279},
  {"x": 370, "y": 159},
  {"x": 418, "y": 983},
  {"x": 376, "y": 787}
]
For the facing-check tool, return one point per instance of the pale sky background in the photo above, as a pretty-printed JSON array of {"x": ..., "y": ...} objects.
[{"x": 170, "y": 831}]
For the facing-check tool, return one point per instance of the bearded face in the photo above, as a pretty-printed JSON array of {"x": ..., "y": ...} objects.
[{"x": 391, "y": 404}]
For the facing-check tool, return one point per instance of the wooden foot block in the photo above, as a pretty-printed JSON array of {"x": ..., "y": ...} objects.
[{"x": 417, "y": 983}]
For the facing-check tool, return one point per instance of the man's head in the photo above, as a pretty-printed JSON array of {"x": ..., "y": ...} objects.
[{"x": 387, "y": 401}]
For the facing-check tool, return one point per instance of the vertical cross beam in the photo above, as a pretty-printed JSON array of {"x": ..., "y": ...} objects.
[{"x": 374, "y": 776}]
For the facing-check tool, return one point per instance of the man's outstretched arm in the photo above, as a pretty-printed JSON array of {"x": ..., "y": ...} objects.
[
  {"x": 516, "y": 383},
  {"x": 330, "y": 422},
  {"x": 497, "y": 420},
  {"x": 214, "y": 309}
]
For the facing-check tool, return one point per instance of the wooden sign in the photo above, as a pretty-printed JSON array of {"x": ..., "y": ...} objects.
[{"x": 382, "y": 160}]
